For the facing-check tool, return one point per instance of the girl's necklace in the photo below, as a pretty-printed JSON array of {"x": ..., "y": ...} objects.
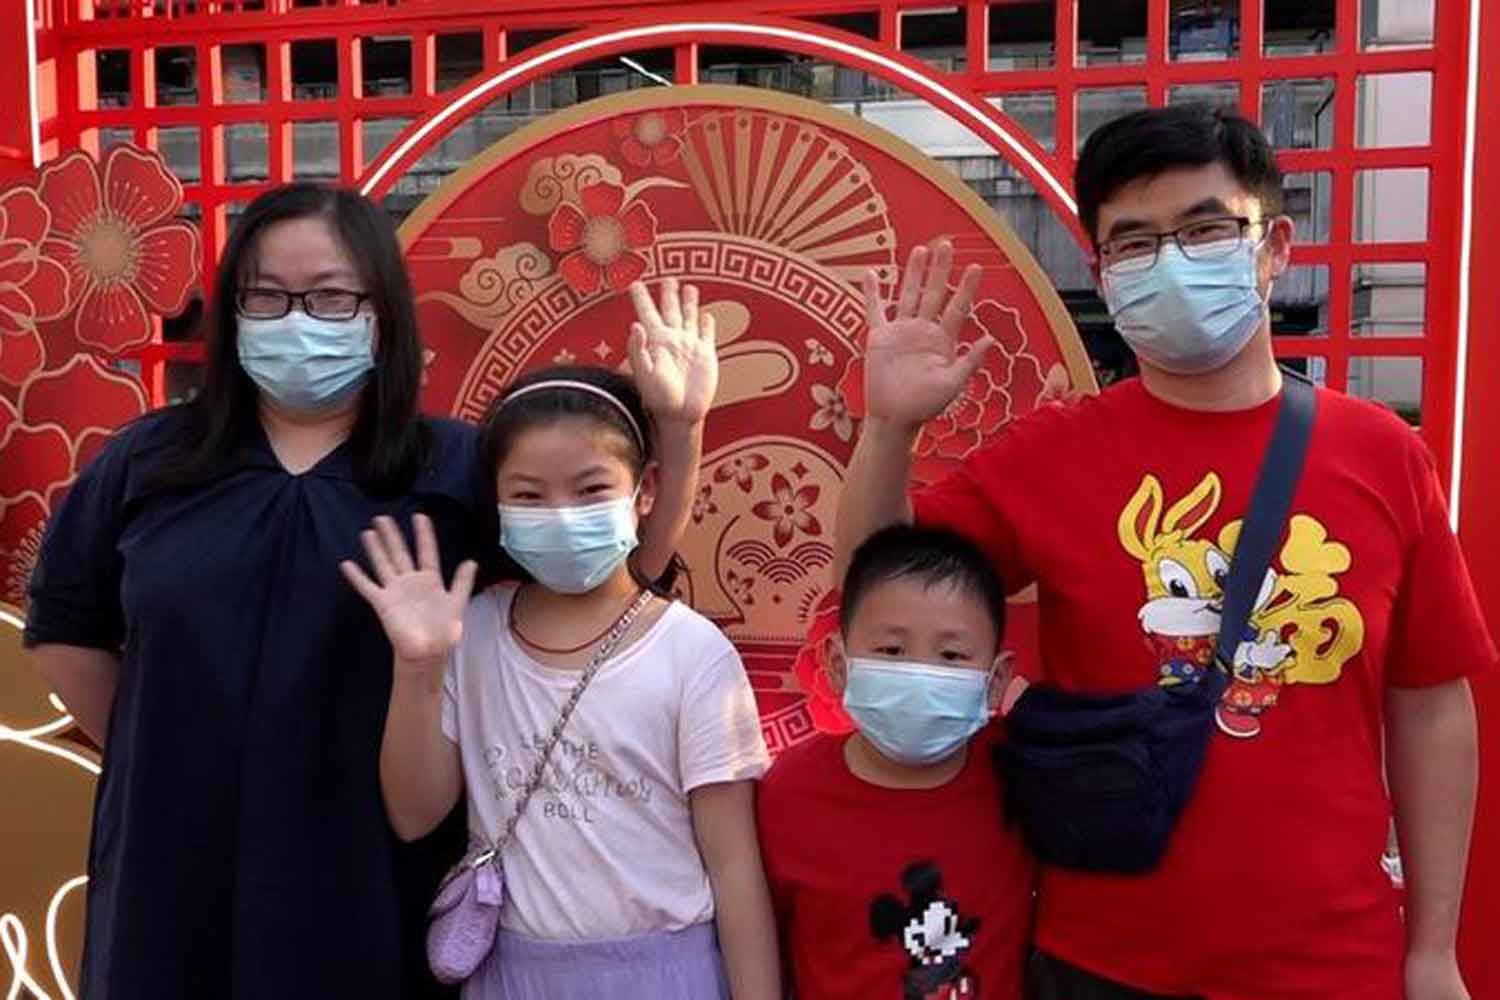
[{"x": 515, "y": 629}]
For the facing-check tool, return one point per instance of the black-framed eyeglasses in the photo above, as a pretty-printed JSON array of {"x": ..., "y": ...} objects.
[
  {"x": 319, "y": 303},
  {"x": 1206, "y": 239}
]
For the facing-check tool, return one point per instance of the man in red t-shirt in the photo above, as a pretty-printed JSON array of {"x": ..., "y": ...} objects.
[
  {"x": 892, "y": 875},
  {"x": 1124, "y": 511}
]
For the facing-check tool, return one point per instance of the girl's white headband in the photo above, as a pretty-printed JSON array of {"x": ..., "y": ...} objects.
[{"x": 567, "y": 383}]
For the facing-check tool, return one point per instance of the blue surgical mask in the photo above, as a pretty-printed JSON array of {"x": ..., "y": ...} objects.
[
  {"x": 303, "y": 363},
  {"x": 916, "y": 713},
  {"x": 570, "y": 550},
  {"x": 1187, "y": 316}
]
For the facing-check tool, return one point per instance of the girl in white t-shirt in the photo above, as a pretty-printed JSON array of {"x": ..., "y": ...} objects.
[{"x": 635, "y": 861}]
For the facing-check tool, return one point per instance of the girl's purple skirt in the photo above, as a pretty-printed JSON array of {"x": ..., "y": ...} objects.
[{"x": 666, "y": 965}]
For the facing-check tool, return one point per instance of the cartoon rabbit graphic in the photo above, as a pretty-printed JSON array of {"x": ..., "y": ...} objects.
[{"x": 1185, "y": 578}]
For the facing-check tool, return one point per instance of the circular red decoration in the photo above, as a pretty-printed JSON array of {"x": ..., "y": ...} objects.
[{"x": 774, "y": 207}]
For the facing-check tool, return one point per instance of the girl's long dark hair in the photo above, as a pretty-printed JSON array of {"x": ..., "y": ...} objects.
[
  {"x": 506, "y": 419},
  {"x": 388, "y": 443}
]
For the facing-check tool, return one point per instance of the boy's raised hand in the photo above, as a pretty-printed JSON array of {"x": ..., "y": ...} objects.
[
  {"x": 913, "y": 364},
  {"x": 422, "y": 618},
  {"x": 673, "y": 354}
]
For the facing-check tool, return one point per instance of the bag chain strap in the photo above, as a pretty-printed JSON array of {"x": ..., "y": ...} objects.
[{"x": 538, "y": 772}]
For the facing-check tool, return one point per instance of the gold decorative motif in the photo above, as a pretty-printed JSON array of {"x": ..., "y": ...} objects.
[
  {"x": 494, "y": 286},
  {"x": 553, "y": 180},
  {"x": 767, "y": 516},
  {"x": 783, "y": 208},
  {"x": 747, "y": 169}
]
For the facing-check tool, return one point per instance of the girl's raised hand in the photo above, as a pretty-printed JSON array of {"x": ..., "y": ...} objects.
[
  {"x": 422, "y": 618},
  {"x": 672, "y": 353}
]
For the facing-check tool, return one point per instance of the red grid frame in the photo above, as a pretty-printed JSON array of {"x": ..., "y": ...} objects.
[
  {"x": 139, "y": 26},
  {"x": 71, "y": 30}
]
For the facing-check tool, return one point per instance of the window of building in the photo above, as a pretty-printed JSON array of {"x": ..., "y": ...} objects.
[
  {"x": 112, "y": 77},
  {"x": 385, "y": 66},
  {"x": 458, "y": 57},
  {"x": 176, "y": 76},
  {"x": 1022, "y": 35},
  {"x": 242, "y": 73},
  {"x": 315, "y": 70},
  {"x": 1111, "y": 32}
]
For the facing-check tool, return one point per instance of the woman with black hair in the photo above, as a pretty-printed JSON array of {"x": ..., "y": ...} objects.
[{"x": 188, "y": 608}]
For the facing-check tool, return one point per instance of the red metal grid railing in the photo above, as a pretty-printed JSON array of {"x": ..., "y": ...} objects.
[{"x": 140, "y": 27}]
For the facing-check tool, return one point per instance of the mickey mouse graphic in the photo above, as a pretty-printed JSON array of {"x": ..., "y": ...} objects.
[{"x": 936, "y": 937}]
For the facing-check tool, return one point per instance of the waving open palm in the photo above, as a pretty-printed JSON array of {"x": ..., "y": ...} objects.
[
  {"x": 422, "y": 618},
  {"x": 914, "y": 365},
  {"x": 672, "y": 353}
]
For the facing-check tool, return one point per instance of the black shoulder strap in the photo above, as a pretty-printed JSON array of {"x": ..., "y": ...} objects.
[{"x": 1280, "y": 471}]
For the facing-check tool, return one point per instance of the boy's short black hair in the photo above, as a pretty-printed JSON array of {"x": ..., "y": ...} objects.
[
  {"x": 932, "y": 556},
  {"x": 1149, "y": 142}
]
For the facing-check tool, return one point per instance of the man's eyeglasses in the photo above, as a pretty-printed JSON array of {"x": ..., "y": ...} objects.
[
  {"x": 319, "y": 303},
  {"x": 1207, "y": 239}
]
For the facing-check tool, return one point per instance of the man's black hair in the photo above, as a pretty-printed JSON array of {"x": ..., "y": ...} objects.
[
  {"x": 1150, "y": 142},
  {"x": 929, "y": 555}
]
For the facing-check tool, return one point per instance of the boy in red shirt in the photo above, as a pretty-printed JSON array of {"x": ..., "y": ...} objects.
[
  {"x": 892, "y": 873},
  {"x": 1349, "y": 699}
]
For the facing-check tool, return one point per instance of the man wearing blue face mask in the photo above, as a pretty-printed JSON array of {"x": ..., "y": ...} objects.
[
  {"x": 890, "y": 874},
  {"x": 1347, "y": 699}
]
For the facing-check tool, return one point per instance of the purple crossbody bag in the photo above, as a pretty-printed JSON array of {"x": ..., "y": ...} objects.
[{"x": 465, "y": 916}]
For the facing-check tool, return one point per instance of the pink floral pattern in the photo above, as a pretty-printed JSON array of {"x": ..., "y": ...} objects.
[
  {"x": 741, "y": 588},
  {"x": 832, "y": 412},
  {"x": 703, "y": 503},
  {"x": 654, "y": 137},
  {"x": 600, "y": 238},
  {"x": 113, "y": 227},
  {"x": 789, "y": 510},
  {"x": 33, "y": 286},
  {"x": 741, "y": 469}
]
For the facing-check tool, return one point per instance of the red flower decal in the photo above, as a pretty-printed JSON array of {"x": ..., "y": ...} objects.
[
  {"x": 652, "y": 137},
  {"x": 37, "y": 459},
  {"x": 978, "y": 413},
  {"x": 811, "y": 670},
  {"x": 63, "y": 418},
  {"x": 788, "y": 510},
  {"x": 987, "y": 403},
  {"x": 703, "y": 503},
  {"x": 740, "y": 587},
  {"x": 33, "y": 286},
  {"x": 741, "y": 469},
  {"x": 113, "y": 227},
  {"x": 601, "y": 238}
]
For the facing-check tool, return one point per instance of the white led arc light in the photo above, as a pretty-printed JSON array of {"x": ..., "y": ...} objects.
[
  {"x": 36, "y": 737},
  {"x": 36, "y": 102},
  {"x": 16, "y": 947},
  {"x": 15, "y": 944},
  {"x": 643, "y": 71},
  {"x": 54, "y": 957},
  {"x": 1465, "y": 268},
  {"x": 922, "y": 83}
]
